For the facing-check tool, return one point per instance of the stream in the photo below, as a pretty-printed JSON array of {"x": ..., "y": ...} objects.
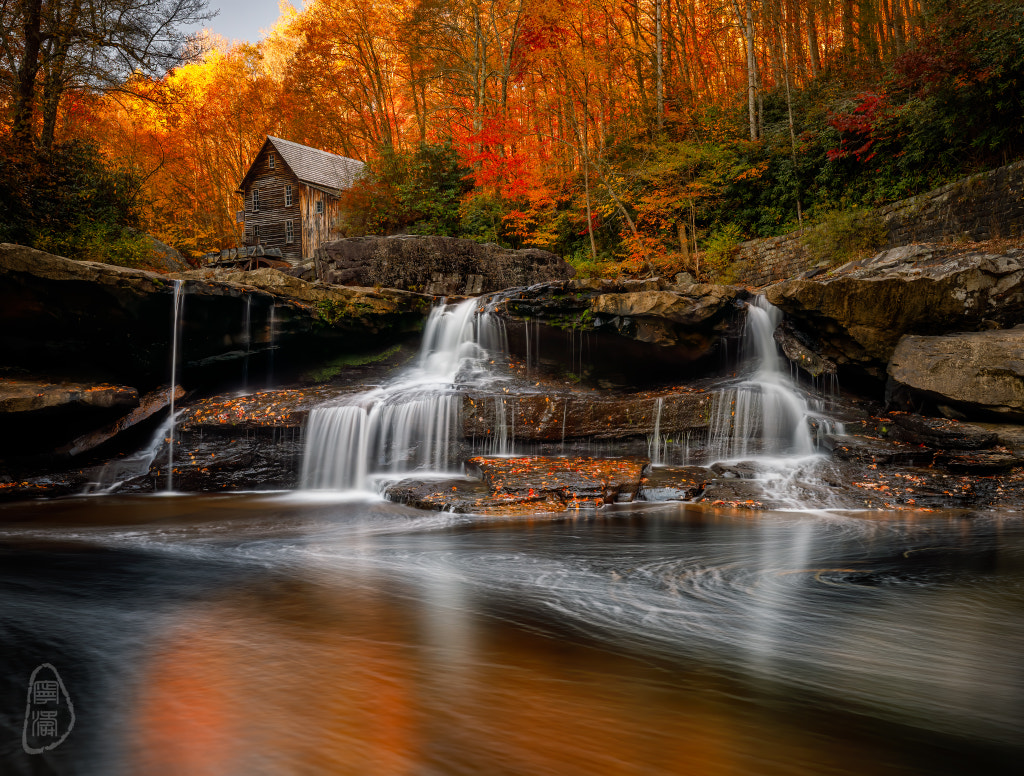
[
  {"x": 327, "y": 630},
  {"x": 282, "y": 634}
]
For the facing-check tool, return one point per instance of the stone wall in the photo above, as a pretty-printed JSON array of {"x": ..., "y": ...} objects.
[
  {"x": 980, "y": 207},
  {"x": 435, "y": 265}
]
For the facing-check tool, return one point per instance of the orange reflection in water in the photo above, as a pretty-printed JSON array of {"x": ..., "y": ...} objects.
[{"x": 306, "y": 679}]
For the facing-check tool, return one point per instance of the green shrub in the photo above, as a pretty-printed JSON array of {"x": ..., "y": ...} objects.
[
  {"x": 720, "y": 252},
  {"x": 587, "y": 266},
  {"x": 845, "y": 235},
  {"x": 69, "y": 201}
]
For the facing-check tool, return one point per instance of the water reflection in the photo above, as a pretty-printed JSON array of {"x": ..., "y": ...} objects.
[{"x": 263, "y": 635}]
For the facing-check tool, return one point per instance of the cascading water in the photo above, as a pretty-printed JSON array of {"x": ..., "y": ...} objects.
[
  {"x": 656, "y": 448},
  {"x": 175, "y": 328},
  {"x": 410, "y": 424},
  {"x": 763, "y": 414},
  {"x": 271, "y": 342},
  {"x": 247, "y": 339}
]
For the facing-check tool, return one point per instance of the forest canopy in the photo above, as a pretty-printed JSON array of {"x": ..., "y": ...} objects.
[{"x": 628, "y": 135}]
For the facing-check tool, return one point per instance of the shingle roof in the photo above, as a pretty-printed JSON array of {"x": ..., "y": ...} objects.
[{"x": 315, "y": 167}]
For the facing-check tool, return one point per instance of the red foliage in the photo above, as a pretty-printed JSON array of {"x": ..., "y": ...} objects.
[{"x": 859, "y": 129}]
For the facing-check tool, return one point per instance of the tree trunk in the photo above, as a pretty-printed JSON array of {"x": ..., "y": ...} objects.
[
  {"x": 812, "y": 43},
  {"x": 746, "y": 22},
  {"x": 24, "y": 102},
  {"x": 660, "y": 76}
]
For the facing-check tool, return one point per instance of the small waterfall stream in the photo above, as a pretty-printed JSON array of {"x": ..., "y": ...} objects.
[
  {"x": 763, "y": 414},
  {"x": 175, "y": 332},
  {"x": 247, "y": 340},
  {"x": 411, "y": 423}
]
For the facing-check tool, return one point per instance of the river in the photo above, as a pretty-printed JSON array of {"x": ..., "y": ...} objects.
[{"x": 312, "y": 634}]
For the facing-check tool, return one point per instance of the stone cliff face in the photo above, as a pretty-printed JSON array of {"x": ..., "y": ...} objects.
[
  {"x": 110, "y": 323},
  {"x": 856, "y": 315},
  {"x": 82, "y": 342},
  {"x": 441, "y": 266},
  {"x": 627, "y": 332}
]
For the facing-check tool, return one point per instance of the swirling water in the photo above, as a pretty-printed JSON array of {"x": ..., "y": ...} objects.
[{"x": 299, "y": 634}]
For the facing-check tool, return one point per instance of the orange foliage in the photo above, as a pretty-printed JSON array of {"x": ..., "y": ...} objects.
[{"x": 531, "y": 93}]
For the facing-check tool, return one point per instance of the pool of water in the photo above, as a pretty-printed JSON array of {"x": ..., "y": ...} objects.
[{"x": 282, "y": 634}]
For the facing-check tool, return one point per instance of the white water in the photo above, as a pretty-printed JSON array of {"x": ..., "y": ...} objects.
[
  {"x": 271, "y": 335},
  {"x": 763, "y": 415},
  {"x": 656, "y": 445},
  {"x": 412, "y": 423},
  {"x": 175, "y": 326},
  {"x": 247, "y": 339}
]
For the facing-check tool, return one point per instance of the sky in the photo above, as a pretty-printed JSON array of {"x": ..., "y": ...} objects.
[{"x": 244, "y": 19}]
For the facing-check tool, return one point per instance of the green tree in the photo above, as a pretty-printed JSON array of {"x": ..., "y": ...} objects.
[
  {"x": 67, "y": 200},
  {"x": 415, "y": 192}
]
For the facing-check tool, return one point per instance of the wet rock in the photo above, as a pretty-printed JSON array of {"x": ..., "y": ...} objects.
[
  {"x": 743, "y": 470},
  {"x": 577, "y": 482},
  {"x": 968, "y": 375},
  {"x": 674, "y": 483},
  {"x": 433, "y": 264},
  {"x": 800, "y": 353},
  {"x": 648, "y": 311},
  {"x": 940, "y": 432},
  {"x": 33, "y": 395},
  {"x": 976, "y": 462},
  {"x": 856, "y": 314},
  {"x": 470, "y": 496},
  {"x": 876, "y": 450},
  {"x": 282, "y": 409},
  {"x": 39, "y": 416},
  {"x": 204, "y": 462},
  {"x": 16, "y": 488},
  {"x": 149, "y": 405},
  {"x": 1008, "y": 435},
  {"x": 554, "y": 417}
]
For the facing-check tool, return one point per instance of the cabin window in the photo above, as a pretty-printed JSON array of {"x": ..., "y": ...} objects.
[
  {"x": 256, "y": 232},
  {"x": 319, "y": 208},
  {"x": 271, "y": 160},
  {"x": 288, "y": 195},
  {"x": 289, "y": 231},
  {"x": 255, "y": 201}
]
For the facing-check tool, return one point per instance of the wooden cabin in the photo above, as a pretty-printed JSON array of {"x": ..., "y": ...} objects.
[{"x": 291, "y": 197}]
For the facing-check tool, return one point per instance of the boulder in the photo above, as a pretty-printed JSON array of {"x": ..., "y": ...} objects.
[
  {"x": 502, "y": 486},
  {"x": 436, "y": 265},
  {"x": 971, "y": 375},
  {"x": 576, "y": 482},
  {"x": 856, "y": 315},
  {"x": 674, "y": 483}
]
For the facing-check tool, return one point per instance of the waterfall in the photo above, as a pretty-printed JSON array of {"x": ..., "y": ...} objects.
[
  {"x": 247, "y": 339},
  {"x": 655, "y": 447},
  {"x": 411, "y": 423},
  {"x": 175, "y": 327},
  {"x": 504, "y": 430},
  {"x": 763, "y": 413},
  {"x": 271, "y": 334}
]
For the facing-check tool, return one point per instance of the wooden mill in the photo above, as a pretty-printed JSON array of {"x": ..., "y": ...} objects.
[{"x": 291, "y": 196}]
